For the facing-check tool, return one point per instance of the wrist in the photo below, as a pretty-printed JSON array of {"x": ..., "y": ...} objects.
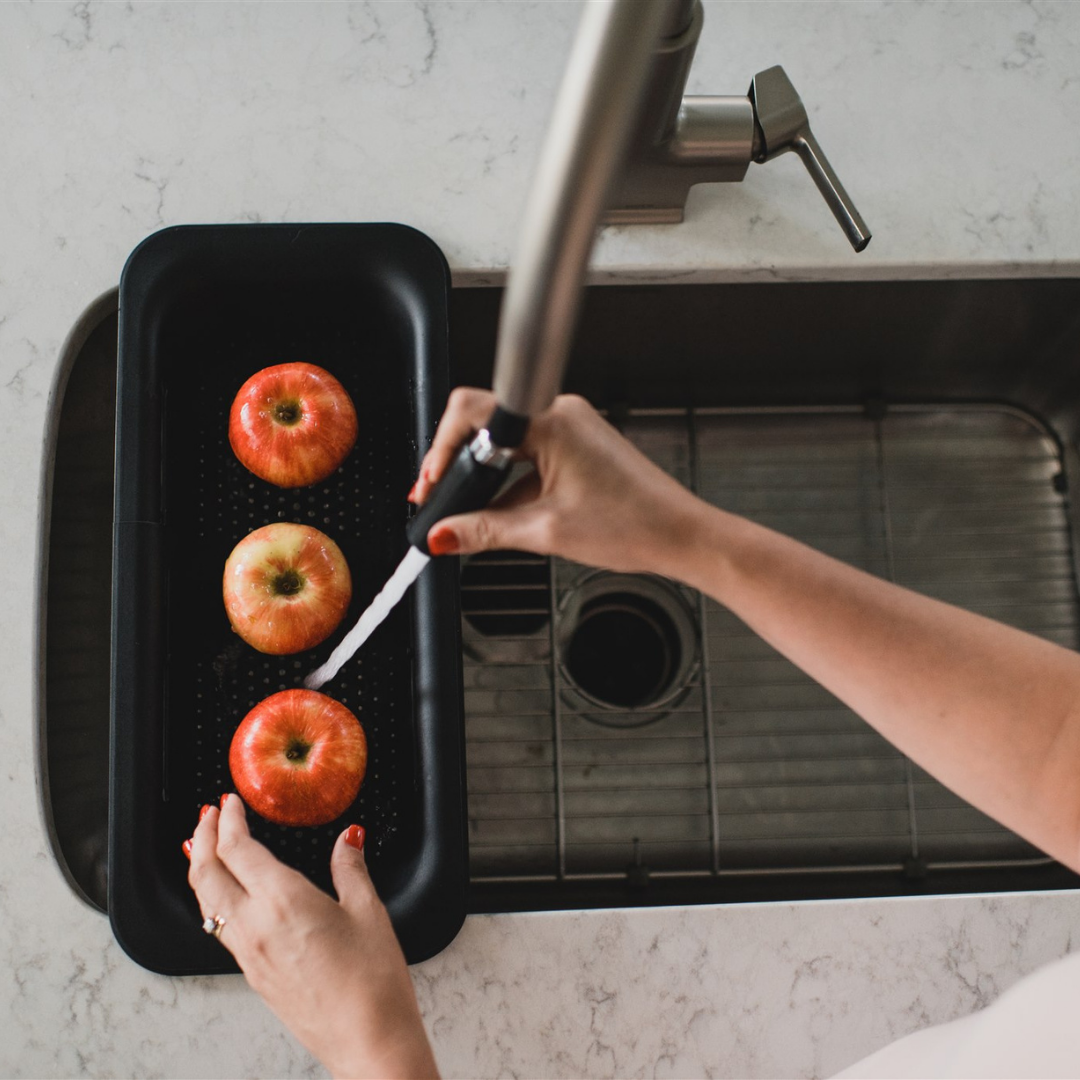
[
  {"x": 397, "y": 1063},
  {"x": 401, "y": 1051},
  {"x": 693, "y": 544}
]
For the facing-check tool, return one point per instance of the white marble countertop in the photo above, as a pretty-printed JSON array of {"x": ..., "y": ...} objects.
[{"x": 953, "y": 126}]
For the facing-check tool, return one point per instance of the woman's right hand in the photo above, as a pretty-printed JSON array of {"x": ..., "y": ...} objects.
[{"x": 593, "y": 497}]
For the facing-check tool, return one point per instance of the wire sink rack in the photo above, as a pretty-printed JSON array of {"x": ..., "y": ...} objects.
[{"x": 749, "y": 767}]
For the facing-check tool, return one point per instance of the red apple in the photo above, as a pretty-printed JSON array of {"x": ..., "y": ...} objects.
[
  {"x": 292, "y": 424},
  {"x": 298, "y": 758},
  {"x": 286, "y": 588}
]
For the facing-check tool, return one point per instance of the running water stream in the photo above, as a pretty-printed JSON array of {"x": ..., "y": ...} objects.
[{"x": 409, "y": 569}]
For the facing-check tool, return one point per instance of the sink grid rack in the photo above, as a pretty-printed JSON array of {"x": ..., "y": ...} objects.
[{"x": 754, "y": 769}]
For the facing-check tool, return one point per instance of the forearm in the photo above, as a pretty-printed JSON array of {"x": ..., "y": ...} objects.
[
  {"x": 414, "y": 1061},
  {"x": 988, "y": 710}
]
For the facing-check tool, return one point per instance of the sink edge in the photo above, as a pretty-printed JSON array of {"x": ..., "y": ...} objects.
[{"x": 91, "y": 317}]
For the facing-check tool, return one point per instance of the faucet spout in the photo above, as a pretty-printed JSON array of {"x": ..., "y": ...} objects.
[
  {"x": 621, "y": 99},
  {"x": 595, "y": 112},
  {"x": 622, "y": 92}
]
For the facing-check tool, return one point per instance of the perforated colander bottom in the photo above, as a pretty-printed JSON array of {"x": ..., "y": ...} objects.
[{"x": 214, "y": 678}]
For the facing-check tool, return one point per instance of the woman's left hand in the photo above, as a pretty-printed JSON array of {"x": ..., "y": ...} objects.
[{"x": 332, "y": 971}]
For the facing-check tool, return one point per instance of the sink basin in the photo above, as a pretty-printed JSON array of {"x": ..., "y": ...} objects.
[{"x": 924, "y": 430}]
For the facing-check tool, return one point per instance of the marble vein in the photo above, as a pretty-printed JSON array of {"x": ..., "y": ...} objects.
[{"x": 945, "y": 122}]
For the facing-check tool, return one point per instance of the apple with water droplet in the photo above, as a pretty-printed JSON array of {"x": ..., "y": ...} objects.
[
  {"x": 298, "y": 758},
  {"x": 292, "y": 424},
  {"x": 286, "y": 588}
]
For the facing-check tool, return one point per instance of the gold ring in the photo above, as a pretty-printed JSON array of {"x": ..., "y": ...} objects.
[{"x": 213, "y": 924}]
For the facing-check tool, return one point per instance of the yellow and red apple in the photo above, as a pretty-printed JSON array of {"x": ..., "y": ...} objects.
[{"x": 286, "y": 588}]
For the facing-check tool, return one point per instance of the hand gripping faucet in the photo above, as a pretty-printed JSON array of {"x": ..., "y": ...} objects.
[{"x": 624, "y": 145}]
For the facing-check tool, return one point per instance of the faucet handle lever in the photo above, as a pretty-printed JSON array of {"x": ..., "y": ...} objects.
[{"x": 782, "y": 124}]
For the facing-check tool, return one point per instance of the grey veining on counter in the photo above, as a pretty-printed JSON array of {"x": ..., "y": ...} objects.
[
  {"x": 953, "y": 126},
  {"x": 757, "y": 990}
]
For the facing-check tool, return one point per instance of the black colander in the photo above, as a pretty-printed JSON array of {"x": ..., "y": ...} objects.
[{"x": 201, "y": 309}]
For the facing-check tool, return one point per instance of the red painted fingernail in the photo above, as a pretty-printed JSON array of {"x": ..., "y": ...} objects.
[
  {"x": 186, "y": 846},
  {"x": 354, "y": 836},
  {"x": 442, "y": 540},
  {"x": 223, "y": 798},
  {"x": 204, "y": 811},
  {"x": 411, "y": 497}
]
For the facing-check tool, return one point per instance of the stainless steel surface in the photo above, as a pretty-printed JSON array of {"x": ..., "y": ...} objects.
[
  {"x": 623, "y": 137},
  {"x": 683, "y": 141},
  {"x": 785, "y": 126},
  {"x": 628, "y": 597},
  {"x": 485, "y": 452},
  {"x": 680, "y": 15},
  {"x": 759, "y": 771},
  {"x": 594, "y": 112},
  {"x": 74, "y": 603},
  {"x": 1002, "y": 340},
  {"x": 713, "y": 141},
  {"x": 693, "y": 469}
]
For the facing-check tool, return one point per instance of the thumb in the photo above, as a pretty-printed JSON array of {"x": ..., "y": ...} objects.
[
  {"x": 518, "y": 528},
  {"x": 349, "y": 870}
]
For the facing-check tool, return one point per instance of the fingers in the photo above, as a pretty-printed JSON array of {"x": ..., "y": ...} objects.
[
  {"x": 218, "y": 892},
  {"x": 505, "y": 524},
  {"x": 519, "y": 493},
  {"x": 490, "y": 529},
  {"x": 245, "y": 858},
  {"x": 518, "y": 528},
  {"x": 348, "y": 869},
  {"x": 467, "y": 410}
]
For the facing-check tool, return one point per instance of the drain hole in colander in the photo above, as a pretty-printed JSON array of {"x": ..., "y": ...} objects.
[{"x": 624, "y": 651}]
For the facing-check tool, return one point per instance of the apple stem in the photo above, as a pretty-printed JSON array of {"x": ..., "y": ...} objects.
[
  {"x": 288, "y": 582},
  {"x": 297, "y": 751},
  {"x": 288, "y": 412}
]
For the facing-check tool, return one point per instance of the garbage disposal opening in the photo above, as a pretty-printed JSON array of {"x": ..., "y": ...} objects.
[{"x": 624, "y": 651}]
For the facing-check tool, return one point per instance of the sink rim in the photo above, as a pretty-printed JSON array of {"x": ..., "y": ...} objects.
[
  {"x": 95, "y": 313},
  {"x": 107, "y": 303}
]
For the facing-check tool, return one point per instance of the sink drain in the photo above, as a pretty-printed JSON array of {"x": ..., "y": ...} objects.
[{"x": 628, "y": 646}]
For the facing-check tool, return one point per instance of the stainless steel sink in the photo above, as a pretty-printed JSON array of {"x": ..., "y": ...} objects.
[
  {"x": 76, "y": 591},
  {"x": 923, "y": 430}
]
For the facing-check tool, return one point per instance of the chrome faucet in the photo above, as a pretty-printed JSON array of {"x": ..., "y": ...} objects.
[
  {"x": 680, "y": 141},
  {"x": 623, "y": 145}
]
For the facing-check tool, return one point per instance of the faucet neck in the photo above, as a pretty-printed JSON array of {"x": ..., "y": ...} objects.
[{"x": 596, "y": 109}]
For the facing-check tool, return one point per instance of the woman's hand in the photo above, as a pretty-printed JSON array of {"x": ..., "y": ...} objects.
[
  {"x": 593, "y": 497},
  {"x": 332, "y": 971}
]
